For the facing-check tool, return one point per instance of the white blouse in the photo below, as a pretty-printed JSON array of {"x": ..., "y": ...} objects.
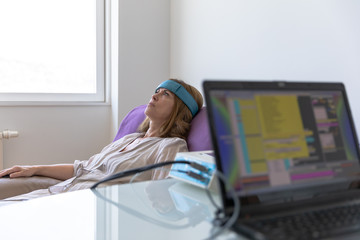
[{"x": 113, "y": 158}]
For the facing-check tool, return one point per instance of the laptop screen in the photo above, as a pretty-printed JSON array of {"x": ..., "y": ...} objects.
[{"x": 276, "y": 136}]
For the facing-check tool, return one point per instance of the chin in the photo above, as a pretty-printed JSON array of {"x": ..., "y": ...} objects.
[{"x": 148, "y": 110}]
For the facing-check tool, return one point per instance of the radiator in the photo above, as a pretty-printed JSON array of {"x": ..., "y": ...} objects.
[{"x": 6, "y": 134}]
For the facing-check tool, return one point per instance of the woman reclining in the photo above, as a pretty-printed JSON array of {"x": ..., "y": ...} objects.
[{"x": 161, "y": 135}]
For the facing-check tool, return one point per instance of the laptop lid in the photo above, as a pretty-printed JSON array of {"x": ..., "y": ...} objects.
[{"x": 281, "y": 140}]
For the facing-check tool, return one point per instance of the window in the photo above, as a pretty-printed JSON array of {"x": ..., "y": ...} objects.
[{"x": 52, "y": 50}]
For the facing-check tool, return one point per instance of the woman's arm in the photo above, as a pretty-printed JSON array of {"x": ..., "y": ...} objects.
[{"x": 58, "y": 171}]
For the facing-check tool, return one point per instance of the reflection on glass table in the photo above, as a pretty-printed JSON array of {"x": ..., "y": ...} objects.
[
  {"x": 164, "y": 209},
  {"x": 167, "y": 208}
]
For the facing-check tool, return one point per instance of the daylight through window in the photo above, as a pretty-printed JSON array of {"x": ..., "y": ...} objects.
[{"x": 51, "y": 50}]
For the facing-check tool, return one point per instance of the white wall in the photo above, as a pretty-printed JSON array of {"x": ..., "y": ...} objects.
[
  {"x": 54, "y": 134},
  {"x": 144, "y": 50},
  {"x": 265, "y": 40}
]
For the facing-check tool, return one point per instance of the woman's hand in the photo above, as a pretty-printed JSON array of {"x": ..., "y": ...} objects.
[
  {"x": 58, "y": 171},
  {"x": 18, "y": 171}
]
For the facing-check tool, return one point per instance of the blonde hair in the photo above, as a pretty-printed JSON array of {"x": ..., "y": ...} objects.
[{"x": 178, "y": 125}]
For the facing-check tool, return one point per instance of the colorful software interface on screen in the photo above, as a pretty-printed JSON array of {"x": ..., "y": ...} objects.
[{"x": 276, "y": 139}]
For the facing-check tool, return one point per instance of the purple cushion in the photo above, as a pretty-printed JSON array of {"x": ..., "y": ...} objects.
[
  {"x": 131, "y": 122},
  {"x": 199, "y": 136}
]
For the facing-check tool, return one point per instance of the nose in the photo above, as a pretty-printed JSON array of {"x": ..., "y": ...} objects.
[
  {"x": 155, "y": 96},
  {"x": 158, "y": 93}
]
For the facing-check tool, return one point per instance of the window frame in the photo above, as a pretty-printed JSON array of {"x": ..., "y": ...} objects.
[{"x": 98, "y": 98}]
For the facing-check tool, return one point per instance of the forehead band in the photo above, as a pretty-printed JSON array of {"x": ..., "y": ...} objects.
[{"x": 181, "y": 93}]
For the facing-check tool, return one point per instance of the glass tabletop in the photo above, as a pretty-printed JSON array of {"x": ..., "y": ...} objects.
[{"x": 165, "y": 209}]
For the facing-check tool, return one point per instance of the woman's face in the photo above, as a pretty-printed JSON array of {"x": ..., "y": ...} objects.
[{"x": 161, "y": 105}]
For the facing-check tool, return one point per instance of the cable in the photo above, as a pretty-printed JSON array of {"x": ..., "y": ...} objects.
[
  {"x": 137, "y": 170},
  {"x": 152, "y": 166},
  {"x": 229, "y": 222},
  {"x": 218, "y": 208}
]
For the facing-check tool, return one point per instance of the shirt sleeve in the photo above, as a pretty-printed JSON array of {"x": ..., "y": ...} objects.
[{"x": 167, "y": 152}]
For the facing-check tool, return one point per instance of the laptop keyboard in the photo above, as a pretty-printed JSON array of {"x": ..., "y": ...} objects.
[{"x": 316, "y": 224}]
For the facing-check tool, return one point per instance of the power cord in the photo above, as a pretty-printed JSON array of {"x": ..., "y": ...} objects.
[{"x": 146, "y": 168}]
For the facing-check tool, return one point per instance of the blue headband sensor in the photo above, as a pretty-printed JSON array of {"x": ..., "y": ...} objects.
[{"x": 181, "y": 93}]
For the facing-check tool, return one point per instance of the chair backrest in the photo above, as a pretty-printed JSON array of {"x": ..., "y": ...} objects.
[{"x": 199, "y": 136}]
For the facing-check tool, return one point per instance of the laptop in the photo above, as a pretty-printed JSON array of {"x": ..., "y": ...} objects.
[{"x": 289, "y": 150}]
